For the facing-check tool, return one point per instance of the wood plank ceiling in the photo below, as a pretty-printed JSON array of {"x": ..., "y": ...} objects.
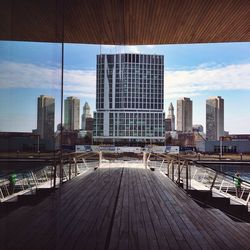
[{"x": 125, "y": 21}]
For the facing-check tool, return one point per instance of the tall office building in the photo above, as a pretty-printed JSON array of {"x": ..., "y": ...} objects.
[
  {"x": 71, "y": 113},
  {"x": 46, "y": 117},
  {"x": 85, "y": 115},
  {"x": 129, "y": 98},
  {"x": 171, "y": 116},
  {"x": 168, "y": 125},
  {"x": 184, "y": 115},
  {"x": 214, "y": 118}
]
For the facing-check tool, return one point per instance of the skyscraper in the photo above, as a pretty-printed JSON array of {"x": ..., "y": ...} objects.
[
  {"x": 85, "y": 115},
  {"x": 214, "y": 118},
  {"x": 184, "y": 114},
  {"x": 129, "y": 98},
  {"x": 45, "y": 117},
  {"x": 71, "y": 113},
  {"x": 168, "y": 125},
  {"x": 171, "y": 116}
]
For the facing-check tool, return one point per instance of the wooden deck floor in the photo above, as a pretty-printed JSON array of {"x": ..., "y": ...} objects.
[{"x": 121, "y": 208}]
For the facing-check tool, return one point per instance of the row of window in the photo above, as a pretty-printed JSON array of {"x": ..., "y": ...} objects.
[
  {"x": 130, "y": 69},
  {"x": 134, "y": 133},
  {"x": 145, "y": 93},
  {"x": 129, "y": 115},
  {"x": 137, "y": 106},
  {"x": 131, "y": 124},
  {"x": 139, "y": 74},
  {"x": 125, "y": 65},
  {"x": 131, "y": 58}
]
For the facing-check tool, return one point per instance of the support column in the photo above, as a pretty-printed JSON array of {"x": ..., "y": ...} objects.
[
  {"x": 144, "y": 159},
  {"x": 100, "y": 158}
]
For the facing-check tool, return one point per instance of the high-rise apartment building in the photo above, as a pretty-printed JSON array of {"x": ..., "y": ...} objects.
[
  {"x": 184, "y": 115},
  {"x": 214, "y": 118},
  {"x": 85, "y": 115},
  {"x": 71, "y": 113},
  {"x": 129, "y": 98},
  {"x": 46, "y": 117},
  {"x": 171, "y": 116}
]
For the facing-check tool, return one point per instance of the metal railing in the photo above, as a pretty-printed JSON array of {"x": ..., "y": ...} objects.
[
  {"x": 24, "y": 181},
  {"x": 47, "y": 177},
  {"x": 190, "y": 175}
]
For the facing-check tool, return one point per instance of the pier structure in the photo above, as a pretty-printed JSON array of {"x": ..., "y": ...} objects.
[{"x": 121, "y": 204}]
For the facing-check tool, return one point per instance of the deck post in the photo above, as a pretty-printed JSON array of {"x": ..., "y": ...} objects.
[
  {"x": 248, "y": 199},
  {"x": 75, "y": 166},
  {"x": 172, "y": 170},
  {"x": 70, "y": 170},
  {"x": 144, "y": 159},
  {"x": 179, "y": 170},
  {"x": 100, "y": 158},
  {"x": 54, "y": 177},
  {"x": 147, "y": 160},
  {"x": 187, "y": 176},
  {"x": 168, "y": 168},
  {"x": 213, "y": 181}
]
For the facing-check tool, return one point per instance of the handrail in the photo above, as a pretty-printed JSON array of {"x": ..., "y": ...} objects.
[
  {"x": 193, "y": 162},
  {"x": 47, "y": 176},
  {"x": 197, "y": 176}
]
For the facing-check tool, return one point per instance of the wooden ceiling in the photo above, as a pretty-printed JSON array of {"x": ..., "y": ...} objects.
[{"x": 125, "y": 21}]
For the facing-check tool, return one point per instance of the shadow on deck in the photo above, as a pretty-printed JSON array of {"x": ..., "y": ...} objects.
[{"x": 120, "y": 208}]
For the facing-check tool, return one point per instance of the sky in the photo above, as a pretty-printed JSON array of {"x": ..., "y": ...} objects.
[{"x": 197, "y": 71}]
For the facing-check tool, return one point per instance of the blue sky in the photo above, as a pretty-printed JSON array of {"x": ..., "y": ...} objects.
[{"x": 198, "y": 71}]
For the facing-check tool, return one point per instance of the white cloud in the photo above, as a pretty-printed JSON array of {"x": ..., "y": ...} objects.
[
  {"x": 179, "y": 83},
  {"x": 82, "y": 83},
  {"x": 20, "y": 75},
  {"x": 133, "y": 49}
]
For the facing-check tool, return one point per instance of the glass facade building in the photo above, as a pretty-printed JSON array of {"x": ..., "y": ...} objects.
[
  {"x": 129, "y": 98},
  {"x": 184, "y": 115},
  {"x": 214, "y": 118},
  {"x": 71, "y": 113},
  {"x": 45, "y": 116}
]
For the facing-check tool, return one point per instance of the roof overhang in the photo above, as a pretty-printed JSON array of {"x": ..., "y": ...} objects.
[{"x": 125, "y": 21}]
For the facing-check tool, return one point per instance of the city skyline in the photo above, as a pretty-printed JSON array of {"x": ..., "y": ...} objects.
[{"x": 195, "y": 71}]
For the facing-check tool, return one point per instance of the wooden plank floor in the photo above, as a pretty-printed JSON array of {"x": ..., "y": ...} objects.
[{"x": 120, "y": 208}]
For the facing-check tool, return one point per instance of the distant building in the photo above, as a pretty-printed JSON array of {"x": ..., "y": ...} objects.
[
  {"x": 179, "y": 138},
  {"x": 171, "y": 116},
  {"x": 24, "y": 142},
  {"x": 168, "y": 124},
  {"x": 89, "y": 124},
  {"x": 240, "y": 137},
  {"x": 235, "y": 146},
  {"x": 214, "y": 118},
  {"x": 69, "y": 138},
  {"x": 198, "y": 128},
  {"x": 129, "y": 99},
  {"x": 86, "y": 115},
  {"x": 184, "y": 115},
  {"x": 46, "y": 117},
  {"x": 71, "y": 113}
]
